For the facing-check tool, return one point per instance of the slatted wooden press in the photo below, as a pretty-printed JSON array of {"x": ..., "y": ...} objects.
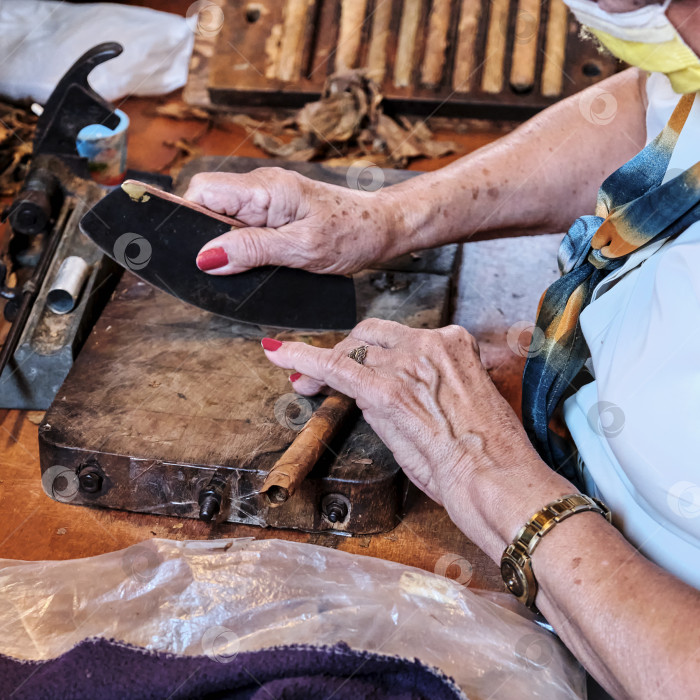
[{"x": 490, "y": 58}]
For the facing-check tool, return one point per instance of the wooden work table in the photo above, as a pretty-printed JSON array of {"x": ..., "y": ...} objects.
[{"x": 33, "y": 527}]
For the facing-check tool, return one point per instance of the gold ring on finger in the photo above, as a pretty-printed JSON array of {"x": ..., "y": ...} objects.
[{"x": 359, "y": 354}]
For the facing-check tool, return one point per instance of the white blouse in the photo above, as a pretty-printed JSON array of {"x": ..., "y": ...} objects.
[{"x": 637, "y": 425}]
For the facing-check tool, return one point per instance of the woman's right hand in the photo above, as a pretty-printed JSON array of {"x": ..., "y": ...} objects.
[{"x": 295, "y": 222}]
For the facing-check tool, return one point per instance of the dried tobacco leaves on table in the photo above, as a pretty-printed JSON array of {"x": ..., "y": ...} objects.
[
  {"x": 347, "y": 123},
  {"x": 17, "y": 125}
]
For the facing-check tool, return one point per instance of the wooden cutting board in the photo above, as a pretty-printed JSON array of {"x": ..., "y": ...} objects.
[{"x": 164, "y": 396}]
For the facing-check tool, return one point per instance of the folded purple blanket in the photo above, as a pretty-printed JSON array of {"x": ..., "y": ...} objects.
[{"x": 98, "y": 668}]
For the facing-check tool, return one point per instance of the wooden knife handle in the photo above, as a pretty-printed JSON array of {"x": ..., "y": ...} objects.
[{"x": 141, "y": 191}]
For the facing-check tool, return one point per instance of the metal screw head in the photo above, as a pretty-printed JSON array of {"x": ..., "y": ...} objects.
[
  {"x": 90, "y": 481},
  {"x": 335, "y": 507},
  {"x": 208, "y": 508},
  {"x": 210, "y": 498},
  {"x": 335, "y": 513}
]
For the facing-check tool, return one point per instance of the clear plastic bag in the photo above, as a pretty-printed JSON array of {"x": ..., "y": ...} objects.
[{"x": 220, "y": 597}]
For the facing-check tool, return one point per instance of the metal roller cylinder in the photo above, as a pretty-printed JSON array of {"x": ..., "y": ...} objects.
[
  {"x": 36, "y": 204},
  {"x": 65, "y": 290}
]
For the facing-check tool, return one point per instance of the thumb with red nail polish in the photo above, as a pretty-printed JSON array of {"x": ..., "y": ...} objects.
[
  {"x": 270, "y": 344},
  {"x": 212, "y": 259}
]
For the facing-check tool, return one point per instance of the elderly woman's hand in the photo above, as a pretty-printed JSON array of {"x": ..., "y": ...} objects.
[
  {"x": 429, "y": 398},
  {"x": 296, "y": 222}
]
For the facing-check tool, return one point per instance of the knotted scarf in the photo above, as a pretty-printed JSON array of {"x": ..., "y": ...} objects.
[{"x": 633, "y": 209}]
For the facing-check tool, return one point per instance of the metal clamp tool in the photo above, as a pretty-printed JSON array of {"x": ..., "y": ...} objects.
[{"x": 40, "y": 346}]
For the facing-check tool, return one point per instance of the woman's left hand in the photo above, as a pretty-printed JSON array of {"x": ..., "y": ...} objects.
[{"x": 425, "y": 393}]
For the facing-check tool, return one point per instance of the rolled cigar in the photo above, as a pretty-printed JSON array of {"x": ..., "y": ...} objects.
[
  {"x": 527, "y": 27},
  {"x": 405, "y": 50},
  {"x": 301, "y": 456},
  {"x": 492, "y": 78},
  {"x": 555, "y": 49},
  {"x": 469, "y": 16},
  {"x": 352, "y": 17},
  {"x": 436, "y": 43},
  {"x": 376, "y": 58},
  {"x": 292, "y": 39},
  {"x": 272, "y": 52}
]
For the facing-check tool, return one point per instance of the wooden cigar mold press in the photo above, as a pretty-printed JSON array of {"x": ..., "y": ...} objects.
[
  {"x": 498, "y": 59},
  {"x": 172, "y": 410}
]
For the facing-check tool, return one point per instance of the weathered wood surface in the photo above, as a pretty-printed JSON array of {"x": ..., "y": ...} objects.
[
  {"x": 34, "y": 527},
  {"x": 165, "y": 397}
]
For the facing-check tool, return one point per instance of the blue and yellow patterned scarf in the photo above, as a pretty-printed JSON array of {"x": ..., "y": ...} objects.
[{"x": 633, "y": 210}]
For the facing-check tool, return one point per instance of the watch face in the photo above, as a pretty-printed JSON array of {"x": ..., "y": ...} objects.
[{"x": 513, "y": 578}]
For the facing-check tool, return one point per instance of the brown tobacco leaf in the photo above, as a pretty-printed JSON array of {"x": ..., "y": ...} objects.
[
  {"x": 186, "y": 150},
  {"x": 14, "y": 162},
  {"x": 381, "y": 161},
  {"x": 180, "y": 110},
  {"x": 300, "y": 148},
  {"x": 422, "y": 135},
  {"x": 347, "y": 123},
  {"x": 399, "y": 143},
  {"x": 272, "y": 126},
  {"x": 17, "y": 126},
  {"x": 336, "y": 119}
]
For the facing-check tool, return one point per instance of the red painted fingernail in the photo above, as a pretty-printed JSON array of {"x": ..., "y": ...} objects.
[
  {"x": 212, "y": 259},
  {"x": 271, "y": 344},
  {"x": 294, "y": 377}
]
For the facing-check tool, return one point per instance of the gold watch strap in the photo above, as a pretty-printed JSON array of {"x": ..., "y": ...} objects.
[{"x": 516, "y": 564}]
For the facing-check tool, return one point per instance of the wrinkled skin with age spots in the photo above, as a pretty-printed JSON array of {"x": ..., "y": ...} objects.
[
  {"x": 428, "y": 396},
  {"x": 424, "y": 392},
  {"x": 294, "y": 221}
]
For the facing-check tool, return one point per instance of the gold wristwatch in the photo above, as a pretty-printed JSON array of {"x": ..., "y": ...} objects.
[{"x": 516, "y": 562}]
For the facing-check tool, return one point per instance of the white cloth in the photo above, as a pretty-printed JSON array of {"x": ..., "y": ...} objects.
[
  {"x": 40, "y": 40},
  {"x": 647, "y": 24},
  {"x": 636, "y": 426}
]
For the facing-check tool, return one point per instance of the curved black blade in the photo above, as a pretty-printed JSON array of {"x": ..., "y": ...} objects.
[{"x": 158, "y": 239}]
